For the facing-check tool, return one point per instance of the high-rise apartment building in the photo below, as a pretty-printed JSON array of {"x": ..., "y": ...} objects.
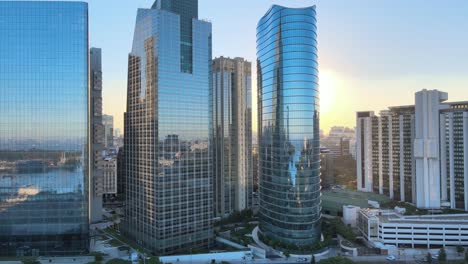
[
  {"x": 427, "y": 149},
  {"x": 44, "y": 124},
  {"x": 288, "y": 128},
  {"x": 168, "y": 130},
  {"x": 364, "y": 151},
  {"x": 454, "y": 154},
  {"x": 415, "y": 153},
  {"x": 232, "y": 120},
  {"x": 108, "y": 122}
]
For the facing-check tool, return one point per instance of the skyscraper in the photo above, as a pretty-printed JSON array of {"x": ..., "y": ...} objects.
[
  {"x": 44, "y": 128},
  {"x": 288, "y": 116},
  {"x": 168, "y": 130},
  {"x": 232, "y": 109},
  {"x": 385, "y": 152},
  {"x": 108, "y": 122},
  {"x": 98, "y": 142}
]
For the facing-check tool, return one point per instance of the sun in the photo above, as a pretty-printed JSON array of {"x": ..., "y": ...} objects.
[{"x": 327, "y": 86}]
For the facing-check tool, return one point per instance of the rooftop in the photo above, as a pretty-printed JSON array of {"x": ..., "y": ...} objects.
[{"x": 390, "y": 216}]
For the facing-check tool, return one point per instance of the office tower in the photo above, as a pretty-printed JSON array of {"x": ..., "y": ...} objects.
[
  {"x": 108, "y": 122},
  {"x": 288, "y": 116},
  {"x": 420, "y": 165},
  {"x": 232, "y": 119},
  {"x": 43, "y": 128},
  {"x": 97, "y": 135},
  {"x": 168, "y": 130}
]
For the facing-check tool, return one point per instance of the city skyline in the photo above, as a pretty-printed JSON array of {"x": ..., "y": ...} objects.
[{"x": 364, "y": 50}]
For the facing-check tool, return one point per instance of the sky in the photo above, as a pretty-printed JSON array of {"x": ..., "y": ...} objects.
[{"x": 372, "y": 54}]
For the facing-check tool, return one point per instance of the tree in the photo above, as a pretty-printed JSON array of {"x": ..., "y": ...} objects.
[
  {"x": 460, "y": 249},
  {"x": 153, "y": 260},
  {"x": 429, "y": 257},
  {"x": 118, "y": 261},
  {"x": 442, "y": 255},
  {"x": 312, "y": 260},
  {"x": 30, "y": 261},
  {"x": 336, "y": 260},
  {"x": 466, "y": 256},
  {"x": 287, "y": 254}
]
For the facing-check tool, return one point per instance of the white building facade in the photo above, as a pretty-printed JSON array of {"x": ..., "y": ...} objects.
[
  {"x": 416, "y": 153},
  {"x": 364, "y": 151},
  {"x": 391, "y": 228}
]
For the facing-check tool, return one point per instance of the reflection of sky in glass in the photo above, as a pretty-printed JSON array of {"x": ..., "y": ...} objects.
[
  {"x": 43, "y": 89},
  {"x": 43, "y": 127},
  {"x": 167, "y": 132},
  {"x": 289, "y": 172}
]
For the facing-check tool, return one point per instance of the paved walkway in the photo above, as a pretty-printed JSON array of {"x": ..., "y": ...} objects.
[{"x": 269, "y": 250}]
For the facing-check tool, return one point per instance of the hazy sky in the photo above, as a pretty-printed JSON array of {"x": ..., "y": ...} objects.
[{"x": 372, "y": 54}]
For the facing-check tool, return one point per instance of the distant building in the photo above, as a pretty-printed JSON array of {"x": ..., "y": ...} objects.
[
  {"x": 117, "y": 132},
  {"x": 232, "y": 114},
  {"x": 416, "y": 153},
  {"x": 341, "y": 132},
  {"x": 108, "y": 122},
  {"x": 412, "y": 231},
  {"x": 109, "y": 167},
  {"x": 97, "y": 135},
  {"x": 341, "y": 141},
  {"x": 327, "y": 167},
  {"x": 121, "y": 171},
  {"x": 364, "y": 152},
  {"x": 255, "y": 167}
]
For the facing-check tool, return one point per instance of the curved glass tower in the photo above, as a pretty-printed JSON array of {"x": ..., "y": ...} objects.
[{"x": 288, "y": 116}]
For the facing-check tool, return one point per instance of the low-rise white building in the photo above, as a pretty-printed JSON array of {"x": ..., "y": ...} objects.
[
  {"x": 350, "y": 214},
  {"x": 391, "y": 228}
]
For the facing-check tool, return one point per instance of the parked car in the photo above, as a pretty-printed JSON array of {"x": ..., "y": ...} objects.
[{"x": 391, "y": 257}]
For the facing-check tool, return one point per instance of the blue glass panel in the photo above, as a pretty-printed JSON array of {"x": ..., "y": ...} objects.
[
  {"x": 43, "y": 128},
  {"x": 289, "y": 163}
]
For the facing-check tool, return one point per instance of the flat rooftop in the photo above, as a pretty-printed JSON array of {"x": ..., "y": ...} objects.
[
  {"x": 390, "y": 216},
  {"x": 335, "y": 199}
]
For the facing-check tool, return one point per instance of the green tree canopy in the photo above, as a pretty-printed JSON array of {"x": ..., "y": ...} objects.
[{"x": 336, "y": 260}]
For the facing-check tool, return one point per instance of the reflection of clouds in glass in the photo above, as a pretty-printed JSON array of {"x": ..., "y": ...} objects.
[
  {"x": 23, "y": 195},
  {"x": 28, "y": 191}
]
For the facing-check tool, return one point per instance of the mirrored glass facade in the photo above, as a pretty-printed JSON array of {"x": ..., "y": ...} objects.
[
  {"x": 43, "y": 128},
  {"x": 168, "y": 135},
  {"x": 288, "y": 108}
]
